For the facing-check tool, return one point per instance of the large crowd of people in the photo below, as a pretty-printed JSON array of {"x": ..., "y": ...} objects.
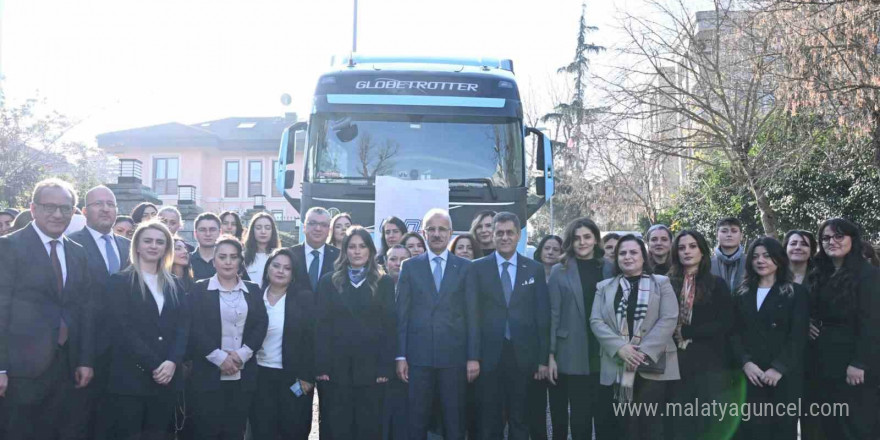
[{"x": 124, "y": 330}]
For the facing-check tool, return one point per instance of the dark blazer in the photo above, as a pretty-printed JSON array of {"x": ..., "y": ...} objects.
[
  {"x": 143, "y": 338},
  {"x": 776, "y": 335},
  {"x": 850, "y": 333},
  {"x": 355, "y": 338},
  {"x": 31, "y": 307},
  {"x": 301, "y": 269},
  {"x": 205, "y": 335},
  {"x": 298, "y": 340},
  {"x": 709, "y": 330},
  {"x": 528, "y": 313},
  {"x": 100, "y": 276},
  {"x": 442, "y": 332}
]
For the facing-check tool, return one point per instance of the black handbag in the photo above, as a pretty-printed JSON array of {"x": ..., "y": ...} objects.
[{"x": 652, "y": 367}]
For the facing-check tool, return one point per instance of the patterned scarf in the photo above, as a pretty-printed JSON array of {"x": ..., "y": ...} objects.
[
  {"x": 625, "y": 378},
  {"x": 685, "y": 308},
  {"x": 357, "y": 275}
]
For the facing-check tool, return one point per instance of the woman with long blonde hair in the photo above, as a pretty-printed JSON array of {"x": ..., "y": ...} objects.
[{"x": 150, "y": 324}]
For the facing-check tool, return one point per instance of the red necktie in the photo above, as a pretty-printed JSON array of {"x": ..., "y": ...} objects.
[{"x": 59, "y": 282}]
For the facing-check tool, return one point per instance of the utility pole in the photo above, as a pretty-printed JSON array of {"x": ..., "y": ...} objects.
[{"x": 354, "y": 35}]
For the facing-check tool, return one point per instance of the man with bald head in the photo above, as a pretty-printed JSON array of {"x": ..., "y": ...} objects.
[
  {"x": 437, "y": 331},
  {"x": 106, "y": 253}
]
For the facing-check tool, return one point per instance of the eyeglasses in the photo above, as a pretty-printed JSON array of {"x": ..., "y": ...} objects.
[
  {"x": 437, "y": 230},
  {"x": 313, "y": 224},
  {"x": 101, "y": 204},
  {"x": 836, "y": 237},
  {"x": 50, "y": 208}
]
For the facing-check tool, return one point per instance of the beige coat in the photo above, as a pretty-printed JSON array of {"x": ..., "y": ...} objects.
[{"x": 657, "y": 328}]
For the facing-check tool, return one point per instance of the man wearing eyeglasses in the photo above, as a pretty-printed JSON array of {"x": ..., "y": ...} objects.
[
  {"x": 314, "y": 258},
  {"x": 106, "y": 253},
  {"x": 47, "y": 334},
  {"x": 437, "y": 331},
  {"x": 207, "y": 227}
]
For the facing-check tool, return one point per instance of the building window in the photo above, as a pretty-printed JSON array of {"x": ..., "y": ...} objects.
[
  {"x": 231, "y": 187},
  {"x": 276, "y": 168},
  {"x": 255, "y": 178},
  {"x": 165, "y": 173},
  {"x": 278, "y": 215}
]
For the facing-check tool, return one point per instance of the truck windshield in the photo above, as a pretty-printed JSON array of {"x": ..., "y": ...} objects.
[{"x": 356, "y": 147}]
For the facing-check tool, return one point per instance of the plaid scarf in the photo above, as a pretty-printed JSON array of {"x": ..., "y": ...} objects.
[
  {"x": 625, "y": 378},
  {"x": 685, "y": 308}
]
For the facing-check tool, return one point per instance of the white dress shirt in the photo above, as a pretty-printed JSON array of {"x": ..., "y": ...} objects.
[
  {"x": 270, "y": 356},
  {"x": 310, "y": 257},
  {"x": 59, "y": 250},
  {"x": 444, "y": 258},
  {"x": 152, "y": 282},
  {"x": 233, "y": 315},
  {"x": 511, "y": 270},
  {"x": 102, "y": 247},
  {"x": 255, "y": 270}
]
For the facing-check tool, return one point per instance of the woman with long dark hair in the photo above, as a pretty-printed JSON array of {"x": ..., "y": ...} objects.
[
  {"x": 143, "y": 212},
  {"x": 414, "y": 243},
  {"x": 338, "y": 225},
  {"x": 771, "y": 321},
  {"x": 354, "y": 340},
  {"x": 574, "y": 349},
  {"x": 549, "y": 252},
  {"x": 230, "y": 224},
  {"x": 151, "y": 325},
  {"x": 282, "y": 407},
  {"x": 800, "y": 246},
  {"x": 392, "y": 230},
  {"x": 229, "y": 323},
  {"x": 260, "y": 240},
  {"x": 181, "y": 267},
  {"x": 466, "y": 246},
  {"x": 844, "y": 292},
  {"x": 705, "y": 318},
  {"x": 634, "y": 317}
]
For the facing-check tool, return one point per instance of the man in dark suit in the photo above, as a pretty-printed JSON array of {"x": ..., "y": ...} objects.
[
  {"x": 514, "y": 330},
  {"x": 437, "y": 331},
  {"x": 315, "y": 257},
  {"x": 107, "y": 253},
  {"x": 46, "y": 322},
  {"x": 207, "y": 226}
]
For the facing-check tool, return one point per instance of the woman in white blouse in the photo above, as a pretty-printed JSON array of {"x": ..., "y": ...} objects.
[
  {"x": 150, "y": 325},
  {"x": 283, "y": 401},
  {"x": 260, "y": 241}
]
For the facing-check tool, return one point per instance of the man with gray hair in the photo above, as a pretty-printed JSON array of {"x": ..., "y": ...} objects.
[
  {"x": 315, "y": 257},
  {"x": 47, "y": 334},
  {"x": 437, "y": 331}
]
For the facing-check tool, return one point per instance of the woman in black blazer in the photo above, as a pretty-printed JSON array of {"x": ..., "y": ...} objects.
[
  {"x": 282, "y": 407},
  {"x": 845, "y": 309},
  {"x": 771, "y": 320},
  {"x": 354, "y": 341},
  {"x": 705, "y": 319},
  {"x": 227, "y": 329},
  {"x": 150, "y": 326}
]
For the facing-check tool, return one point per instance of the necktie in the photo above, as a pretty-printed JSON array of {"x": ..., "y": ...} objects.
[
  {"x": 438, "y": 273},
  {"x": 315, "y": 269},
  {"x": 112, "y": 259},
  {"x": 59, "y": 284},
  {"x": 507, "y": 287}
]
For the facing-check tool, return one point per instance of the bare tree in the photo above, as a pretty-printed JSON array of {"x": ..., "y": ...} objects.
[
  {"x": 701, "y": 87},
  {"x": 376, "y": 160}
]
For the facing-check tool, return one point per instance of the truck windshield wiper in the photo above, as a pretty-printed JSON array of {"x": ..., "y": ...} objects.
[{"x": 483, "y": 180}]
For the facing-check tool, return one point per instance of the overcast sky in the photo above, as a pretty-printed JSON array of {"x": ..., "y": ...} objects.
[{"x": 118, "y": 64}]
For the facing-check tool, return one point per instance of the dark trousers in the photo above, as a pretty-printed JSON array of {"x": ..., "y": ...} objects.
[
  {"x": 222, "y": 414},
  {"x": 45, "y": 407},
  {"x": 702, "y": 388},
  {"x": 277, "y": 413},
  {"x": 137, "y": 417},
  {"x": 862, "y": 402},
  {"x": 395, "y": 410},
  {"x": 764, "y": 426},
  {"x": 581, "y": 391},
  {"x": 503, "y": 390},
  {"x": 644, "y": 427},
  {"x": 353, "y": 412},
  {"x": 536, "y": 413},
  {"x": 450, "y": 384}
]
